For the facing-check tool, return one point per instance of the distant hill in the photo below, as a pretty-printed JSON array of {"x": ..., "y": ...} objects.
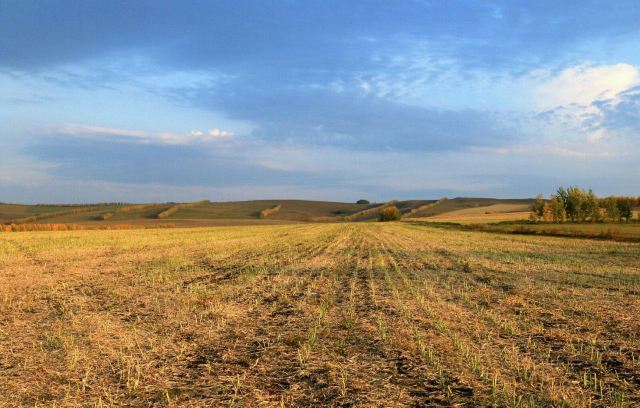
[
  {"x": 240, "y": 212},
  {"x": 466, "y": 203}
]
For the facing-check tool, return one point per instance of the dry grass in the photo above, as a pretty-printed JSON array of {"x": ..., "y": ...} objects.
[
  {"x": 175, "y": 208},
  {"x": 270, "y": 211},
  {"x": 343, "y": 314},
  {"x": 490, "y": 209},
  {"x": 422, "y": 208},
  {"x": 617, "y": 231},
  {"x": 475, "y": 218},
  {"x": 474, "y": 205}
]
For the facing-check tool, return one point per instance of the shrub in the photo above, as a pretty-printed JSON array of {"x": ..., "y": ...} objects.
[
  {"x": 390, "y": 213},
  {"x": 363, "y": 202}
]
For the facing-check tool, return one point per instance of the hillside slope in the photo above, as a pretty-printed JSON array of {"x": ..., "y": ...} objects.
[
  {"x": 479, "y": 205},
  {"x": 243, "y": 212}
]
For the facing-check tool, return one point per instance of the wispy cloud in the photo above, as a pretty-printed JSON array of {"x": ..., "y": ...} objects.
[
  {"x": 212, "y": 134},
  {"x": 142, "y": 136},
  {"x": 550, "y": 150}
]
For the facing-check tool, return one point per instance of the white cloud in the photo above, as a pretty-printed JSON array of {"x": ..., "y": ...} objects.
[
  {"x": 143, "y": 136},
  {"x": 215, "y": 133},
  {"x": 584, "y": 84},
  {"x": 78, "y": 130}
]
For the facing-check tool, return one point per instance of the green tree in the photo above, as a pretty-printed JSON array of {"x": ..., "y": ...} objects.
[
  {"x": 625, "y": 207},
  {"x": 563, "y": 199},
  {"x": 537, "y": 208},
  {"x": 611, "y": 208},
  {"x": 556, "y": 209},
  {"x": 575, "y": 204},
  {"x": 592, "y": 207}
]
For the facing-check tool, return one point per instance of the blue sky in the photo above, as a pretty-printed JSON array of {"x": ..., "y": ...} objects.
[{"x": 338, "y": 100}]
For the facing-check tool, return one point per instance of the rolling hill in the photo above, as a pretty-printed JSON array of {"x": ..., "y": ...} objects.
[{"x": 246, "y": 212}]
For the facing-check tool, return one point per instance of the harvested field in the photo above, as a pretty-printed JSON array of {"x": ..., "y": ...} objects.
[
  {"x": 473, "y": 206},
  {"x": 475, "y": 218},
  {"x": 347, "y": 314}
]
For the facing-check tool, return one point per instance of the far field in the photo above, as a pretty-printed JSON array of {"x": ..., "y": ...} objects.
[{"x": 331, "y": 314}]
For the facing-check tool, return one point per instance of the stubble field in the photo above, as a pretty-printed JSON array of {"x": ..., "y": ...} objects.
[{"x": 365, "y": 314}]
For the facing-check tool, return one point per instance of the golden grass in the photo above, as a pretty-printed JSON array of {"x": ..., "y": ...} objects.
[
  {"x": 54, "y": 214},
  {"x": 471, "y": 217},
  {"x": 491, "y": 209},
  {"x": 422, "y": 208},
  {"x": 80, "y": 227},
  {"x": 175, "y": 208},
  {"x": 367, "y": 314}
]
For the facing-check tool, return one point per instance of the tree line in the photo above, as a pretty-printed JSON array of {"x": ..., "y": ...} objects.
[{"x": 579, "y": 205}]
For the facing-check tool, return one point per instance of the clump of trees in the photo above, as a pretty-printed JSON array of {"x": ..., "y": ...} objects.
[
  {"x": 579, "y": 205},
  {"x": 390, "y": 213},
  {"x": 363, "y": 202}
]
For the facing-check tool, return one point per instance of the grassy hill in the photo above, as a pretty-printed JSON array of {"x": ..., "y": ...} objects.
[
  {"x": 190, "y": 214},
  {"x": 241, "y": 212},
  {"x": 291, "y": 210},
  {"x": 22, "y": 213},
  {"x": 477, "y": 205}
]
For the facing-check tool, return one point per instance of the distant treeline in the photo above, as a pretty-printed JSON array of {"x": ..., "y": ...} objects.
[{"x": 578, "y": 205}]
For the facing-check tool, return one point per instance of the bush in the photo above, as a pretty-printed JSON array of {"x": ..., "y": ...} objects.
[
  {"x": 363, "y": 202},
  {"x": 390, "y": 213}
]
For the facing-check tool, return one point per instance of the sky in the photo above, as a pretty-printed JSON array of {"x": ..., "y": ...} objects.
[{"x": 334, "y": 100}]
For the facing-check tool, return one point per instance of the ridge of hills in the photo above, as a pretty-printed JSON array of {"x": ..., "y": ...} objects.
[{"x": 246, "y": 212}]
